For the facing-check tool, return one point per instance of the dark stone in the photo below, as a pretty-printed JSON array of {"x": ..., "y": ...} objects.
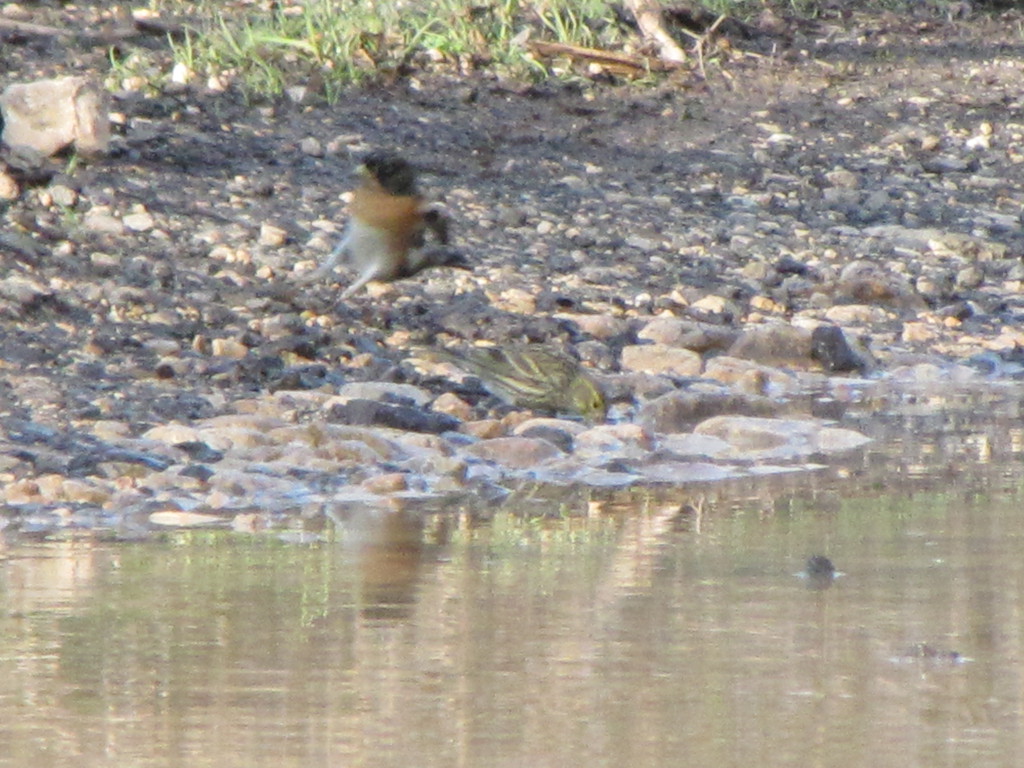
[
  {"x": 960, "y": 310},
  {"x": 787, "y": 265},
  {"x": 198, "y": 471},
  {"x": 182, "y": 405},
  {"x": 164, "y": 371},
  {"x": 830, "y": 348},
  {"x": 303, "y": 377},
  {"x": 372, "y": 413},
  {"x": 197, "y": 450},
  {"x": 557, "y": 437}
]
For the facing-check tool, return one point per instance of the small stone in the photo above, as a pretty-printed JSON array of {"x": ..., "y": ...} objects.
[
  {"x": 101, "y": 218},
  {"x": 919, "y": 332},
  {"x": 717, "y": 307},
  {"x": 857, "y": 314},
  {"x": 139, "y": 221},
  {"x": 554, "y": 435},
  {"x": 750, "y": 377},
  {"x": 272, "y": 236},
  {"x": 516, "y": 300},
  {"x": 483, "y": 429},
  {"x": 9, "y": 189},
  {"x": 22, "y": 290},
  {"x": 172, "y": 434},
  {"x": 392, "y": 482},
  {"x": 21, "y": 492},
  {"x": 841, "y": 177},
  {"x": 830, "y": 347},
  {"x": 181, "y": 74},
  {"x": 605, "y": 440},
  {"x": 689, "y": 334},
  {"x": 453, "y": 405},
  {"x": 311, "y": 146},
  {"x": 515, "y": 452},
  {"x": 546, "y": 427},
  {"x": 661, "y": 359},
  {"x": 774, "y": 345},
  {"x": 384, "y": 391},
  {"x": 408, "y": 418},
  {"x": 231, "y": 348},
  {"x": 62, "y": 195},
  {"x": 970, "y": 278},
  {"x": 599, "y": 326}
]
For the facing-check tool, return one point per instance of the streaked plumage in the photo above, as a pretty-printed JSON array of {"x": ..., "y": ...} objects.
[{"x": 533, "y": 376}]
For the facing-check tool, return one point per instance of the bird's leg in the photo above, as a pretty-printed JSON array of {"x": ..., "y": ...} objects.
[
  {"x": 332, "y": 259},
  {"x": 368, "y": 274}
]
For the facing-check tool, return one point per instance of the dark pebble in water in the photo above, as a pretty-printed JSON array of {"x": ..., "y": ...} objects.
[
  {"x": 819, "y": 565},
  {"x": 819, "y": 572}
]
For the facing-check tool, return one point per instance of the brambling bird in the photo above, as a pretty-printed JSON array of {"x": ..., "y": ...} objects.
[
  {"x": 532, "y": 376},
  {"x": 385, "y": 238}
]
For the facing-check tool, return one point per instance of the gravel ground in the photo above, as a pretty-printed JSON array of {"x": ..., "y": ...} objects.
[{"x": 160, "y": 356}]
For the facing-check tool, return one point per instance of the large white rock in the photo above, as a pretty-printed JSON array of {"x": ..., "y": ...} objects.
[{"x": 49, "y": 115}]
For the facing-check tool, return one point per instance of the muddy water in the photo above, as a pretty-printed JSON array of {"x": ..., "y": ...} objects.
[{"x": 639, "y": 629}]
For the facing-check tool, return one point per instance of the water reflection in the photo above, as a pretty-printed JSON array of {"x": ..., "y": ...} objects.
[
  {"x": 642, "y": 628},
  {"x": 387, "y": 551}
]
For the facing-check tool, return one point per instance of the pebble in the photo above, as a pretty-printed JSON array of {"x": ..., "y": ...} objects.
[
  {"x": 101, "y": 219},
  {"x": 9, "y": 188},
  {"x": 690, "y": 334},
  {"x": 661, "y": 359},
  {"x": 139, "y": 220},
  {"x": 272, "y": 236},
  {"x": 522, "y": 453}
]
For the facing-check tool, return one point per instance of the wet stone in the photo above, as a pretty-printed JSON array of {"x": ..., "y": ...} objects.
[
  {"x": 679, "y": 411},
  {"x": 522, "y": 453}
]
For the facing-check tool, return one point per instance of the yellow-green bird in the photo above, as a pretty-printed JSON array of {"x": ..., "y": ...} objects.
[{"x": 532, "y": 376}]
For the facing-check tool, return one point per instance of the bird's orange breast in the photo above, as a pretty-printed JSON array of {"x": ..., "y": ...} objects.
[{"x": 400, "y": 217}]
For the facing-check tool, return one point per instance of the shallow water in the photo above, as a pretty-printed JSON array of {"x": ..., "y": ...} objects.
[{"x": 631, "y": 633}]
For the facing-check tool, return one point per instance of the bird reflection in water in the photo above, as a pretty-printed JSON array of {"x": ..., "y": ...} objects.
[{"x": 387, "y": 550}]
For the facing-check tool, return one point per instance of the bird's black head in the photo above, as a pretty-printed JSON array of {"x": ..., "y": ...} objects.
[{"x": 392, "y": 172}]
